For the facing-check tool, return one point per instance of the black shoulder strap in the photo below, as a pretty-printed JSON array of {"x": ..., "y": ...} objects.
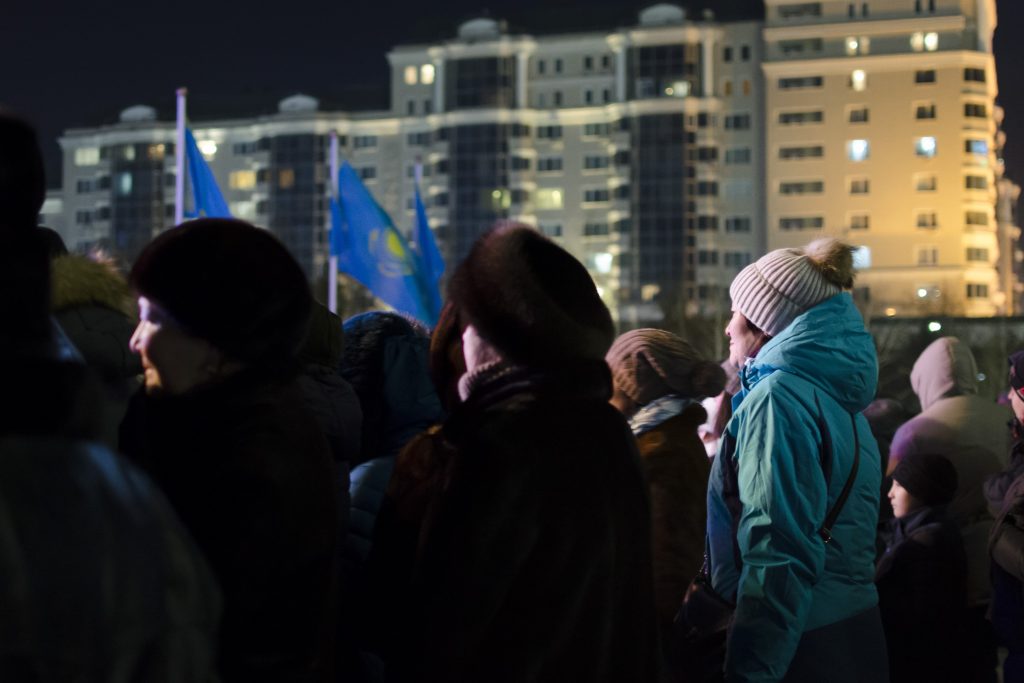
[{"x": 830, "y": 519}]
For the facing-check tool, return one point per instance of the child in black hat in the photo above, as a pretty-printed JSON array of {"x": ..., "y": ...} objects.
[{"x": 922, "y": 575}]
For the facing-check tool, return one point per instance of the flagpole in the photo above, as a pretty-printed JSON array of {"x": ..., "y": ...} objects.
[
  {"x": 332, "y": 261},
  {"x": 179, "y": 159}
]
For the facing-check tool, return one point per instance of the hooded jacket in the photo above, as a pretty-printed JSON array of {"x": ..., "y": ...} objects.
[
  {"x": 795, "y": 407},
  {"x": 968, "y": 430}
]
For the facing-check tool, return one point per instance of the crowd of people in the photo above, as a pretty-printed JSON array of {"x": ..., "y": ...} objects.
[{"x": 205, "y": 475}]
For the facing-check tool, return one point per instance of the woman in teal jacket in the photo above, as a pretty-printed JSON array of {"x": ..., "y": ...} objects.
[{"x": 806, "y": 607}]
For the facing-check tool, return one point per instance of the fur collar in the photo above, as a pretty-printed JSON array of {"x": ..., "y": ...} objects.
[{"x": 79, "y": 281}]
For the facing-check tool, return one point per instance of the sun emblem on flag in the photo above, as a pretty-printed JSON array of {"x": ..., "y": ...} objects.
[{"x": 391, "y": 255}]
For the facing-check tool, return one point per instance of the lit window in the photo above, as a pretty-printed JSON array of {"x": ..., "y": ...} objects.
[
  {"x": 242, "y": 180},
  {"x": 858, "y": 150},
  {"x": 917, "y": 42},
  {"x": 603, "y": 262},
  {"x": 208, "y": 148},
  {"x": 427, "y": 74},
  {"x": 978, "y": 147},
  {"x": 548, "y": 198},
  {"x": 858, "y": 80},
  {"x": 925, "y": 147},
  {"x": 124, "y": 183},
  {"x": 851, "y": 46},
  {"x": 862, "y": 258},
  {"x": 410, "y": 75},
  {"x": 155, "y": 152},
  {"x": 931, "y": 42},
  {"x": 286, "y": 178},
  {"x": 87, "y": 156}
]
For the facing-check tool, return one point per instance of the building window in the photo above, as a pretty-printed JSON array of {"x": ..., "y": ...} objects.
[
  {"x": 976, "y": 291},
  {"x": 588, "y": 63},
  {"x": 83, "y": 217},
  {"x": 975, "y": 110},
  {"x": 924, "y": 76},
  {"x": 924, "y": 111},
  {"x": 558, "y": 66},
  {"x": 727, "y": 54},
  {"x": 858, "y": 115},
  {"x": 549, "y": 132},
  {"x": 595, "y": 162},
  {"x": 976, "y": 218},
  {"x": 924, "y": 42},
  {"x": 606, "y": 95},
  {"x": 802, "y": 187},
  {"x": 83, "y": 186},
  {"x": 925, "y": 146},
  {"x": 737, "y": 224},
  {"x": 286, "y": 178},
  {"x": 706, "y": 188},
  {"x": 367, "y": 172},
  {"x": 707, "y": 154},
  {"x": 597, "y": 129},
  {"x": 801, "y": 223},
  {"x": 548, "y": 164},
  {"x": 596, "y": 196},
  {"x": 976, "y": 182},
  {"x": 410, "y": 108},
  {"x": 745, "y": 53},
  {"x": 925, "y": 182},
  {"x": 860, "y": 186},
  {"x": 799, "y": 118},
  {"x": 927, "y": 219},
  {"x": 926, "y": 256},
  {"x": 707, "y": 223},
  {"x": 808, "y": 152},
  {"x": 858, "y": 150},
  {"x": 737, "y": 155},
  {"x": 596, "y": 230},
  {"x": 746, "y": 86},
  {"x": 410, "y": 75},
  {"x": 541, "y": 66},
  {"x": 860, "y": 221},
  {"x": 858, "y": 80},
  {"x": 364, "y": 141},
  {"x": 242, "y": 180},
  {"x": 727, "y": 88},
  {"x": 548, "y": 198},
  {"x": 806, "y": 9},
  {"x": 976, "y": 147},
  {"x": 606, "y": 62},
  {"x": 557, "y": 98},
  {"x": 800, "y": 82},
  {"x": 737, "y": 122},
  {"x": 427, "y": 74},
  {"x": 977, "y": 254},
  {"x": 858, "y": 45},
  {"x": 124, "y": 183},
  {"x": 707, "y": 257},
  {"x": 551, "y": 229},
  {"x": 974, "y": 75},
  {"x": 428, "y": 106},
  {"x": 799, "y": 47},
  {"x": 737, "y": 259},
  {"x": 87, "y": 156}
]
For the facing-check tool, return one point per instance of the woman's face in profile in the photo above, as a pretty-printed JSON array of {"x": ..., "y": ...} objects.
[
  {"x": 743, "y": 342},
  {"x": 173, "y": 361}
]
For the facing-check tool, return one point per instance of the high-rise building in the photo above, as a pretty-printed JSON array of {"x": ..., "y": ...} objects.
[
  {"x": 881, "y": 128},
  {"x": 637, "y": 149},
  {"x": 665, "y": 156}
]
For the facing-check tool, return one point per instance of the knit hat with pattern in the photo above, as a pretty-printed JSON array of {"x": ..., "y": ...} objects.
[
  {"x": 779, "y": 286},
  {"x": 647, "y": 364}
]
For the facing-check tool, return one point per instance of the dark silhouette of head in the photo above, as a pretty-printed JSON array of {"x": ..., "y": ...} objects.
[{"x": 22, "y": 180}]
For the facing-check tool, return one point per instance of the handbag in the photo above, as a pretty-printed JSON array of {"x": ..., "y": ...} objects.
[{"x": 695, "y": 650}]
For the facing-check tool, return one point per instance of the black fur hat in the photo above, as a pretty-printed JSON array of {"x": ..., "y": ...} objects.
[
  {"x": 231, "y": 284},
  {"x": 531, "y": 299}
]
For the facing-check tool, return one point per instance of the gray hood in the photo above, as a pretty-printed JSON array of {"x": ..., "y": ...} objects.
[{"x": 946, "y": 368}]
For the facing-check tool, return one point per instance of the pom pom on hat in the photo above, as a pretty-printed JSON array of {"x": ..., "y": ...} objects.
[{"x": 779, "y": 286}]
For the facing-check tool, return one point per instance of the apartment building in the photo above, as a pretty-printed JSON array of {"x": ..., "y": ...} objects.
[{"x": 881, "y": 129}]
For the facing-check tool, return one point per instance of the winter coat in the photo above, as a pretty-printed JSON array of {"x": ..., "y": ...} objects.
[
  {"x": 100, "y": 581},
  {"x": 764, "y": 515},
  {"x": 922, "y": 594},
  {"x": 535, "y": 564},
  {"x": 1006, "y": 546},
  {"x": 968, "y": 430},
  {"x": 676, "y": 467},
  {"x": 93, "y": 305},
  {"x": 248, "y": 470},
  {"x": 997, "y": 485}
]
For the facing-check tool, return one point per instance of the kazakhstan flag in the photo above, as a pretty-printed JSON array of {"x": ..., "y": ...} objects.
[
  {"x": 373, "y": 252},
  {"x": 206, "y": 196}
]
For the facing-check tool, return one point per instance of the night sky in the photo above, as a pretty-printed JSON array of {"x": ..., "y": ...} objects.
[{"x": 71, "y": 64}]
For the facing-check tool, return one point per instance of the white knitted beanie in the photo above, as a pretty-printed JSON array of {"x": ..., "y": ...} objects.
[{"x": 779, "y": 286}]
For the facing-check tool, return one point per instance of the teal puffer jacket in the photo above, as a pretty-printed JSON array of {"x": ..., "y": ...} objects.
[{"x": 764, "y": 515}]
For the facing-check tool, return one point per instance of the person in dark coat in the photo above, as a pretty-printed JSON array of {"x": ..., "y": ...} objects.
[
  {"x": 535, "y": 563},
  {"x": 922, "y": 575},
  {"x": 1006, "y": 548},
  {"x": 224, "y": 429},
  {"x": 98, "y": 579},
  {"x": 659, "y": 380}
]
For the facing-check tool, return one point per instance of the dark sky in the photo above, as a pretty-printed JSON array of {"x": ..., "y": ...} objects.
[{"x": 69, "y": 64}]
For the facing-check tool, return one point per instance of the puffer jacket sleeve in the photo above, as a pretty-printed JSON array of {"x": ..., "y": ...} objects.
[{"x": 783, "y": 492}]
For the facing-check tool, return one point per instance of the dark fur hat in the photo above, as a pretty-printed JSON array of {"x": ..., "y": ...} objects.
[
  {"x": 22, "y": 183},
  {"x": 231, "y": 284},
  {"x": 531, "y": 299}
]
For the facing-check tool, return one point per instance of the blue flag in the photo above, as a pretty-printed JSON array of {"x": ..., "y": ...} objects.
[
  {"x": 430, "y": 257},
  {"x": 206, "y": 196},
  {"x": 373, "y": 252}
]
